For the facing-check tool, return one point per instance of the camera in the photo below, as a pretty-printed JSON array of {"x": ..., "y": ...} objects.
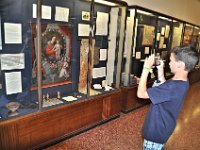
[{"x": 157, "y": 60}]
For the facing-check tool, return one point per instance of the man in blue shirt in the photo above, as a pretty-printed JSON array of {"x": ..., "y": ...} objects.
[{"x": 167, "y": 98}]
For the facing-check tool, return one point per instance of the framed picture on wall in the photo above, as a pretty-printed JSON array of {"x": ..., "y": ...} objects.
[{"x": 56, "y": 55}]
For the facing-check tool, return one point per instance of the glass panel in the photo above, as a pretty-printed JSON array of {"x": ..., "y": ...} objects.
[
  {"x": 16, "y": 97},
  {"x": 128, "y": 46},
  {"x": 75, "y": 61},
  {"x": 187, "y": 38},
  {"x": 177, "y": 33},
  {"x": 60, "y": 52},
  {"x": 163, "y": 40},
  {"x": 60, "y": 55},
  {"x": 195, "y": 42},
  {"x": 195, "y": 38},
  {"x": 138, "y": 44},
  {"x": 103, "y": 66}
]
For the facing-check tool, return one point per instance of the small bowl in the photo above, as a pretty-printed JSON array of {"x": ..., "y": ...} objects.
[{"x": 13, "y": 106}]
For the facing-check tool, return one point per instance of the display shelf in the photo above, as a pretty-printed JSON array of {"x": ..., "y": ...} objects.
[{"x": 30, "y": 107}]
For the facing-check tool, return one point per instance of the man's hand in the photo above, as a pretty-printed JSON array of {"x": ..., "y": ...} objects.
[
  {"x": 142, "y": 87},
  {"x": 149, "y": 61}
]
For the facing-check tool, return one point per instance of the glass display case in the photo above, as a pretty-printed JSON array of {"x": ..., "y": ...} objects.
[
  {"x": 60, "y": 68},
  {"x": 149, "y": 32},
  {"x": 66, "y": 54},
  {"x": 139, "y": 43},
  {"x": 191, "y": 37},
  {"x": 194, "y": 75},
  {"x": 187, "y": 35},
  {"x": 163, "y": 40},
  {"x": 105, "y": 50},
  {"x": 177, "y": 33},
  {"x": 195, "y": 41}
]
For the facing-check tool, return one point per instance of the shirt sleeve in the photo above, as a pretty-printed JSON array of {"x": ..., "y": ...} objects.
[{"x": 159, "y": 94}]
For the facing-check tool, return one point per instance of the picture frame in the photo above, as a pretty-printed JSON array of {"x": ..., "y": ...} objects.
[{"x": 56, "y": 55}]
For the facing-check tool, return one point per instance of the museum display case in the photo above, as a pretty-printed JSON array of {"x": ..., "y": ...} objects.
[
  {"x": 163, "y": 40},
  {"x": 194, "y": 76},
  {"x": 60, "y": 68},
  {"x": 195, "y": 41},
  {"x": 139, "y": 43},
  {"x": 191, "y": 37},
  {"x": 187, "y": 35},
  {"x": 178, "y": 28},
  {"x": 149, "y": 32}
]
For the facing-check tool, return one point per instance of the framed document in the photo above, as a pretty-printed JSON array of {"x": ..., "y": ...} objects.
[{"x": 148, "y": 35}]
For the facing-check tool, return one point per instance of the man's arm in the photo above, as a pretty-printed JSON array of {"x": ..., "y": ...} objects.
[{"x": 142, "y": 87}]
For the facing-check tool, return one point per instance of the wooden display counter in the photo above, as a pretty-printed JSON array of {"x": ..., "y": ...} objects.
[
  {"x": 38, "y": 129},
  {"x": 129, "y": 99},
  {"x": 194, "y": 76}
]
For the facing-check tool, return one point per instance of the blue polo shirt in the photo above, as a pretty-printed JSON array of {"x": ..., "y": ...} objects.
[{"x": 167, "y": 100}]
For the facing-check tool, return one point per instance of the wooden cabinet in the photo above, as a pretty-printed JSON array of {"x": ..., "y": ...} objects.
[
  {"x": 41, "y": 128},
  {"x": 129, "y": 99},
  {"x": 194, "y": 76}
]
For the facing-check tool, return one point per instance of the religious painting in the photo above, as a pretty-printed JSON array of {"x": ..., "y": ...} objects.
[{"x": 56, "y": 55}]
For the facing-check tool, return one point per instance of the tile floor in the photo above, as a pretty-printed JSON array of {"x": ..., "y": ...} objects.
[{"x": 124, "y": 133}]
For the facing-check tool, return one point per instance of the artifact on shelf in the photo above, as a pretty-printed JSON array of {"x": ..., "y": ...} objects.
[
  {"x": 97, "y": 86},
  {"x": 108, "y": 88},
  {"x": 13, "y": 107}
]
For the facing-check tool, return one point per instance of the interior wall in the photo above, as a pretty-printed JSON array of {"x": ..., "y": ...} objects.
[{"x": 186, "y": 10}]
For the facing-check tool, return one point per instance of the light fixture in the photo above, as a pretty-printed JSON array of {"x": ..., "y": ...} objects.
[
  {"x": 164, "y": 18},
  {"x": 189, "y": 25},
  {"x": 104, "y": 2},
  {"x": 144, "y": 12}
]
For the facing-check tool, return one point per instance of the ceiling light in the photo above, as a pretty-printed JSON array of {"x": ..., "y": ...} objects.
[
  {"x": 144, "y": 12},
  {"x": 104, "y": 2},
  {"x": 164, "y": 18}
]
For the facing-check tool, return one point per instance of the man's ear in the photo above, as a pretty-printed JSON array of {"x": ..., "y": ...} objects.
[{"x": 181, "y": 65}]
